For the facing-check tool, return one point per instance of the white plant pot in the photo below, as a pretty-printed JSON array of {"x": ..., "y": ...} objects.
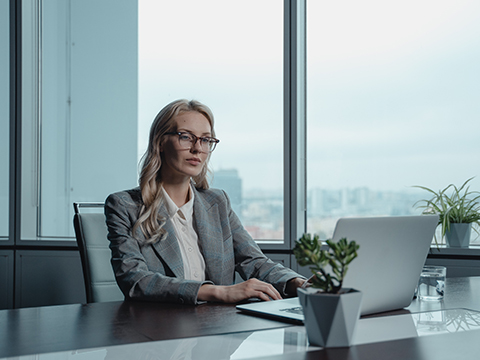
[
  {"x": 459, "y": 235},
  {"x": 330, "y": 319}
]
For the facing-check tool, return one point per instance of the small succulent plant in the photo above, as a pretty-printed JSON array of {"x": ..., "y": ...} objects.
[{"x": 328, "y": 266}]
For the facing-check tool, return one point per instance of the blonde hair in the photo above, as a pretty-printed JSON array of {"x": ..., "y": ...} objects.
[{"x": 149, "y": 220}]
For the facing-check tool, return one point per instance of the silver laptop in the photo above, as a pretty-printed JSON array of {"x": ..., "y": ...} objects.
[{"x": 393, "y": 250}]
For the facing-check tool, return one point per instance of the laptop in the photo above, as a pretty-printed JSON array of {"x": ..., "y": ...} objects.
[{"x": 392, "y": 252}]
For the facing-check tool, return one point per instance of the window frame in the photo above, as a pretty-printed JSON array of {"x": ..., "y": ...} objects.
[
  {"x": 294, "y": 123},
  {"x": 295, "y": 148},
  {"x": 15, "y": 126}
]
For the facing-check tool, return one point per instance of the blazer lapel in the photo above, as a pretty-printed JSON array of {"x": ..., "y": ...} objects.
[
  {"x": 168, "y": 249},
  {"x": 209, "y": 237}
]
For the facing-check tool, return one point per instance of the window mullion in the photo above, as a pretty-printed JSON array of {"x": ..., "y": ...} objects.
[{"x": 295, "y": 120}]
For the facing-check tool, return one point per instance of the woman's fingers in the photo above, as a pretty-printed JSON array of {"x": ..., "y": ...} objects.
[
  {"x": 259, "y": 289},
  {"x": 252, "y": 288}
]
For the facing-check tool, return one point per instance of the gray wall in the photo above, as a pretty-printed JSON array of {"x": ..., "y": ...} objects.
[
  {"x": 48, "y": 278},
  {"x": 6, "y": 279}
]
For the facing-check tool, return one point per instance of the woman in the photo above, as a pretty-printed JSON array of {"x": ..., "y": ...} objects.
[{"x": 174, "y": 239}]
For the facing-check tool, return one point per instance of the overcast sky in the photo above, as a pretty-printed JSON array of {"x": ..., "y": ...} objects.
[
  {"x": 393, "y": 93},
  {"x": 393, "y": 88}
]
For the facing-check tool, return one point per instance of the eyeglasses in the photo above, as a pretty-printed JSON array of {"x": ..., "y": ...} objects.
[{"x": 187, "y": 140}]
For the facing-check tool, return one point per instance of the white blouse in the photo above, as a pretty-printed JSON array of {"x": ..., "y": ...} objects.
[{"x": 182, "y": 219}]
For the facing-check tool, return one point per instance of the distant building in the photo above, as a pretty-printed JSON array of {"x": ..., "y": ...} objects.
[
  {"x": 230, "y": 181},
  {"x": 359, "y": 202}
]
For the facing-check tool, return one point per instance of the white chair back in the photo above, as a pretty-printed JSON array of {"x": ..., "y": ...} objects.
[{"x": 91, "y": 234}]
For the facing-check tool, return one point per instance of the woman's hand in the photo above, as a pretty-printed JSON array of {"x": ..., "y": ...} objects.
[
  {"x": 252, "y": 288},
  {"x": 293, "y": 285}
]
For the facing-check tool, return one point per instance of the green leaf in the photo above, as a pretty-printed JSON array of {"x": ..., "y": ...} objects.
[
  {"x": 308, "y": 252},
  {"x": 453, "y": 205}
]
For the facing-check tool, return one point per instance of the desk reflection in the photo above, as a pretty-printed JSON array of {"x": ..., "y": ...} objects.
[
  {"x": 236, "y": 346},
  {"x": 446, "y": 321},
  {"x": 208, "y": 347},
  {"x": 288, "y": 340},
  {"x": 428, "y": 322}
]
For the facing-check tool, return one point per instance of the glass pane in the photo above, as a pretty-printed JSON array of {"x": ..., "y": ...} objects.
[
  {"x": 393, "y": 93},
  {"x": 4, "y": 115},
  {"x": 228, "y": 55},
  {"x": 80, "y": 109}
]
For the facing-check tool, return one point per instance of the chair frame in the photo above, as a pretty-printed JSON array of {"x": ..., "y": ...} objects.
[{"x": 79, "y": 235}]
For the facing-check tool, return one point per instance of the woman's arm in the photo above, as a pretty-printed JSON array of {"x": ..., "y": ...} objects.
[{"x": 251, "y": 263}]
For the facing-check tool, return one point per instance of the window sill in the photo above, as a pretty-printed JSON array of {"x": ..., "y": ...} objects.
[{"x": 447, "y": 252}]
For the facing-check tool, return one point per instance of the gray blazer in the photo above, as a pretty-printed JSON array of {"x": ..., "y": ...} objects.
[{"x": 154, "y": 272}]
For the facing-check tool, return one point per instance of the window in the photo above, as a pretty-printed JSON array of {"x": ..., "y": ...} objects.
[
  {"x": 79, "y": 109},
  {"x": 95, "y": 74},
  {"x": 228, "y": 55},
  {"x": 393, "y": 92}
]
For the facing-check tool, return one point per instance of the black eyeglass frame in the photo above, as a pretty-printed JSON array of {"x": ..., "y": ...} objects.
[{"x": 209, "y": 139}]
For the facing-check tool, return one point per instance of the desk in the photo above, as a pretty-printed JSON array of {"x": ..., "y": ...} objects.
[{"x": 211, "y": 331}]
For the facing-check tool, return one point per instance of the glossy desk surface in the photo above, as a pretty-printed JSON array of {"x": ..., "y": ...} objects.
[{"x": 128, "y": 330}]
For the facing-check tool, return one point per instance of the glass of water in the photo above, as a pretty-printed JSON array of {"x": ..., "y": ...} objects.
[{"x": 431, "y": 285}]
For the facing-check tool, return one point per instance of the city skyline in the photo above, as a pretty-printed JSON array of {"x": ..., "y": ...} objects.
[{"x": 261, "y": 210}]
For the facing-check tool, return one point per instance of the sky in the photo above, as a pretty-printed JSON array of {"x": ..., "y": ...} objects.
[
  {"x": 392, "y": 92},
  {"x": 393, "y": 88}
]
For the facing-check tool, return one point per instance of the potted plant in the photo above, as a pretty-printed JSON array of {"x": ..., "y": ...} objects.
[
  {"x": 331, "y": 312},
  {"x": 458, "y": 208}
]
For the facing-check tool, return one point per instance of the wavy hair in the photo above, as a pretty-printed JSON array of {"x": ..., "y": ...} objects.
[{"x": 149, "y": 220}]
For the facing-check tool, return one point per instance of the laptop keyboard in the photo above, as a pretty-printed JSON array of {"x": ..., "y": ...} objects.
[{"x": 295, "y": 310}]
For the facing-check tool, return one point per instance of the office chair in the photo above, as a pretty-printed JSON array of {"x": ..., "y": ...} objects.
[{"x": 91, "y": 234}]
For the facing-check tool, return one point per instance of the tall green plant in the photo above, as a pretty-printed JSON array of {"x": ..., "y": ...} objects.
[
  {"x": 453, "y": 205},
  {"x": 308, "y": 252}
]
